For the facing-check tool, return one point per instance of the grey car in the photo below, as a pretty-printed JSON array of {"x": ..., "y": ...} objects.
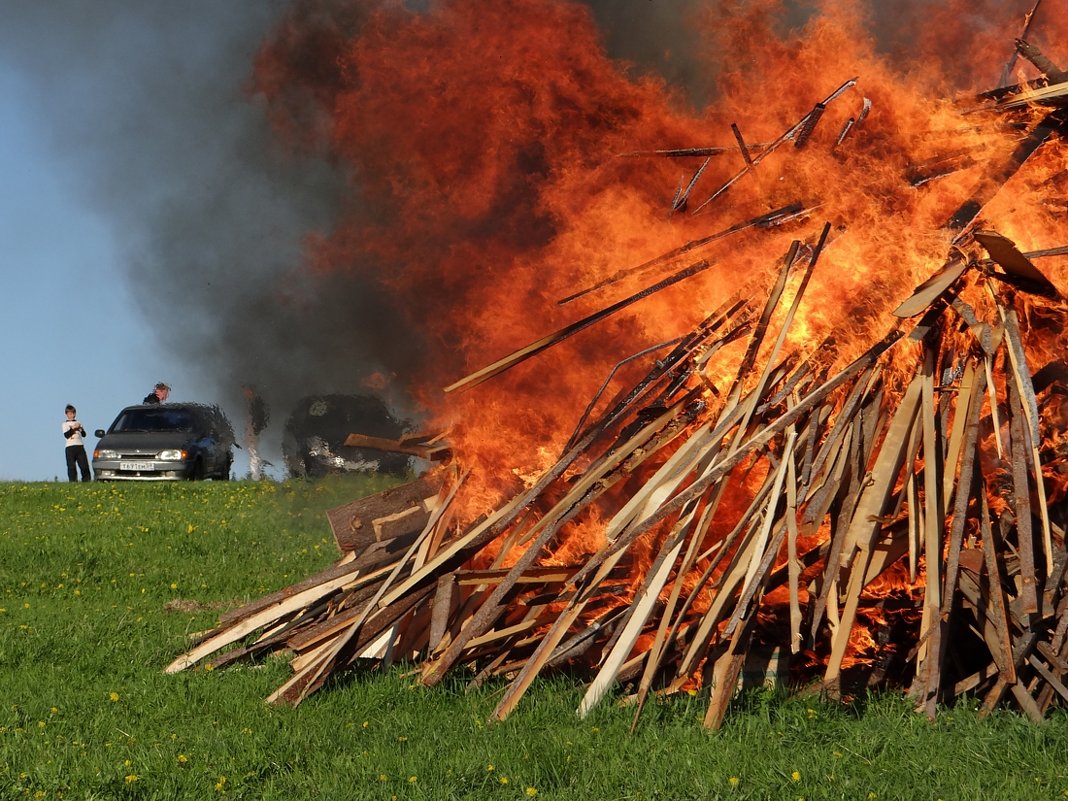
[{"x": 161, "y": 442}]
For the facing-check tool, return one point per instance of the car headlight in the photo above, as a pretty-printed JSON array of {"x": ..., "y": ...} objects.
[
  {"x": 171, "y": 455},
  {"x": 106, "y": 454}
]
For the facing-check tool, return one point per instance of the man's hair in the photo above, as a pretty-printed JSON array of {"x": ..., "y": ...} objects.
[
  {"x": 70, "y": 408},
  {"x": 161, "y": 385}
]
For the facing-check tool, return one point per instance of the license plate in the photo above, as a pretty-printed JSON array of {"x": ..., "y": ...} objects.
[{"x": 138, "y": 466}]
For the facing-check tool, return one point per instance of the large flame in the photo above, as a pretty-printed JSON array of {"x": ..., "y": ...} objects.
[{"x": 501, "y": 161}]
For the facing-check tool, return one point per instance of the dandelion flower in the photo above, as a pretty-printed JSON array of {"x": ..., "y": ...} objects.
[
  {"x": 503, "y": 780},
  {"x": 733, "y": 781},
  {"x": 795, "y": 776},
  {"x": 412, "y": 780},
  {"x": 182, "y": 759},
  {"x": 114, "y": 696},
  {"x": 531, "y": 792},
  {"x": 131, "y": 778}
]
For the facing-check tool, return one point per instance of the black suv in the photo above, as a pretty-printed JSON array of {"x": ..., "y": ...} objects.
[
  {"x": 168, "y": 441},
  {"x": 313, "y": 443}
]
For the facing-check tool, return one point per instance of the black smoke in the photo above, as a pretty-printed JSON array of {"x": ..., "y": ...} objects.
[{"x": 149, "y": 107}]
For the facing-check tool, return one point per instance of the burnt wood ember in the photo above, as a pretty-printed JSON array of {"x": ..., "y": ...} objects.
[{"x": 887, "y": 513}]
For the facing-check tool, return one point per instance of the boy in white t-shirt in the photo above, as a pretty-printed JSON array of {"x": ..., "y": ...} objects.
[{"x": 74, "y": 432}]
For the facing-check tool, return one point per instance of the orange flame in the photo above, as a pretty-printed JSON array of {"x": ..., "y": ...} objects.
[{"x": 501, "y": 161}]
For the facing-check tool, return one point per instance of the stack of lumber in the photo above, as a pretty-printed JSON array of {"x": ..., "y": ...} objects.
[{"x": 889, "y": 516}]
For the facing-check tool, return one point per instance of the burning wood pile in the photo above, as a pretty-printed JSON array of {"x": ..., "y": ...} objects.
[{"x": 889, "y": 515}]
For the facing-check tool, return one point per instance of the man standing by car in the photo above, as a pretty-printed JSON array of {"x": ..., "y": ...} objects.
[
  {"x": 158, "y": 394},
  {"x": 74, "y": 432}
]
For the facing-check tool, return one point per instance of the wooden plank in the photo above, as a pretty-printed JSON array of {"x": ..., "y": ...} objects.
[
  {"x": 927, "y": 661},
  {"x": 640, "y": 609},
  {"x": 353, "y": 523},
  {"x": 249, "y": 624},
  {"x": 865, "y": 524},
  {"x": 934, "y": 287},
  {"x": 344, "y": 567},
  {"x": 432, "y": 452},
  {"x": 1027, "y": 595},
  {"x": 1024, "y": 385},
  {"x": 1021, "y": 272}
]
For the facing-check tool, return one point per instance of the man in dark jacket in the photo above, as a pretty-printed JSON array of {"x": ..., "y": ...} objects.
[{"x": 158, "y": 394}]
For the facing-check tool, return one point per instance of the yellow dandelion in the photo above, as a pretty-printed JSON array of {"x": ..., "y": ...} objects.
[
  {"x": 733, "y": 781},
  {"x": 182, "y": 759},
  {"x": 114, "y": 696},
  {"x": 383, "y": 777},
  {"x": 366, "y": 723},
  {"x": 126, "y": 763},
  {"x": 412, "y": 780},
  {"x": 131, "y": 778},
  {"x": 41, "y": 724},
  {"x": 795, "y": 776},
  {"x": 503, "y": 780},
  {"x": 40, "y": 795},
  {"x": 54, "y": 710},
  {"x": 531, "y": 792},
  {"x": 174, "y": 585},
  {"x": 871, "y": 796},
  {"x": 220, "y": 784},
  {"x": 491, "y": 767}
]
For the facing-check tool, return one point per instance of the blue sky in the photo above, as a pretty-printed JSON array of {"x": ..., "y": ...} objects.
[
  {"x": 80, "y": 324},
  {"x": 71, "y": 331}
]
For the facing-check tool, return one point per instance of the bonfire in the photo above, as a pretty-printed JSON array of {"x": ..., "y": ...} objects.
[{"x": 784, "y": 381}]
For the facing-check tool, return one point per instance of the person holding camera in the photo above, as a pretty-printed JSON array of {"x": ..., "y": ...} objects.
[{"x": 74, "y": 433}]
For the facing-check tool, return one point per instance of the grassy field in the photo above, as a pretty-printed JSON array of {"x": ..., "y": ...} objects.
[{"x": 102, "y": 584}]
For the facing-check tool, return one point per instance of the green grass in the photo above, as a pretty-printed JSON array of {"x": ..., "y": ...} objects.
[{"x": 88, "y": 579}]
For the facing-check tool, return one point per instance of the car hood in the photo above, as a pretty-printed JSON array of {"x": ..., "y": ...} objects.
[{"x": 146, "y": 441}]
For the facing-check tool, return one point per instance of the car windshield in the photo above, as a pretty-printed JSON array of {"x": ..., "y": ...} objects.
[{"x": 154, "y": 420}]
